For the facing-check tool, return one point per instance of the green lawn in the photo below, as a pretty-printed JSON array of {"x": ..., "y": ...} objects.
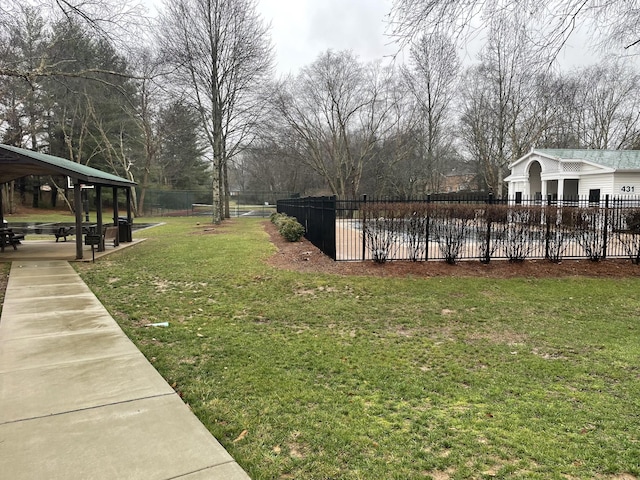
[{"x": 306, "y": 376}]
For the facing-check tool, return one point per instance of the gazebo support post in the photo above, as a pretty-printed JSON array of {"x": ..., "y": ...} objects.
[
  {"x": 99, "y": 216},
  {"x": 1, "y": 209},
  {"x": 129, "y": 213},
  {"x": 77, "y": 206},
  {"x": 115, "y": 210}
]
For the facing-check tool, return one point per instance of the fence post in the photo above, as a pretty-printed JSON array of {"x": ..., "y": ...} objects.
[
  {"x": 333, "y": 206},
  {"x": 547, "y": 235},
  {"x": 364, "y": 226},
  {"x": 487, "y": 256},
  {"x": 426, "y": 237},
  {"x": 428, "y": 225},
  {"x": 605, "y": 237}
]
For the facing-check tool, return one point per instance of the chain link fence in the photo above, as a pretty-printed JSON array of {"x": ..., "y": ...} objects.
[{"x": 175, "y": 203}]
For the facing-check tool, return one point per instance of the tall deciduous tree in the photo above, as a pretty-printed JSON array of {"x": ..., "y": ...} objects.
[
  {"x": 497, "y": 119},
  {"x": 431, "y": 80},
  {"x": 337, "y": 110},
  {"x": 144, "y": 109},
  {"x": 608, "y": 106},
  {"x": 222, "y": 54}
]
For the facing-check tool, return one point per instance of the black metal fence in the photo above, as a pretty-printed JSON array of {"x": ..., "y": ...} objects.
[
  {"x": 463, "y": 228},
  {"x": 318, "y": 217}
]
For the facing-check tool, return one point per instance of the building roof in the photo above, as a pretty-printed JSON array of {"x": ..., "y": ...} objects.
[
  {"x": 17, "y": 163},
  {"x": 615, "y": 159}
]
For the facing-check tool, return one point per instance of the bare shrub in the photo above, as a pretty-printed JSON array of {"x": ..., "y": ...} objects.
[
  {"x": 416, "y": 231},
  {"x": 589, "y": 225},
  {"x": 451, "y": 227},
  {"x": 629, "y": 234},
  {"x": 557, "y": 236},
  {"x": 381, "y": 229},
  {"x": 519, "y": 235},
  {"x": 491, "y": 223}
]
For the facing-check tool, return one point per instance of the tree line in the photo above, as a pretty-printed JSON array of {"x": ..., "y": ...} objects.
[{"x": 189, "y": 99}]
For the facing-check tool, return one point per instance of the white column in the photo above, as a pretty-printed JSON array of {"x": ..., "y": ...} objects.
[
  {"x": 560, "y": 190},
  {"x": 544, "y": 191}
]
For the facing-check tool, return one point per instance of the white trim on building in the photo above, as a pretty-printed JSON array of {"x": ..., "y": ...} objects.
[{"x": 568, "y": 174}]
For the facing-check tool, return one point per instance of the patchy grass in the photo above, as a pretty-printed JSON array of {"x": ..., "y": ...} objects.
[{"x": 309, "y": 376}]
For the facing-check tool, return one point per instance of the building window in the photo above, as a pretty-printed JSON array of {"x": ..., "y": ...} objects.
[{"x": 594, "y": 195}]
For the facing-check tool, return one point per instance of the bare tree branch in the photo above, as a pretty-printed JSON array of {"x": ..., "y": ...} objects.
[{"x": 552, "y": 22}]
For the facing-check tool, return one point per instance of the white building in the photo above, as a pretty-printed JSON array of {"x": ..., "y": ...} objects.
[{"x": 570, "y": 174}]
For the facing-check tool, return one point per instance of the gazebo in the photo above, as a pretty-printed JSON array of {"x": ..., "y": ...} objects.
[{"x": 17, "y": 162}]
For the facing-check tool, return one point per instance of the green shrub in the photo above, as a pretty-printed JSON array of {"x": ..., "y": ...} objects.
[
  {"x": 279, "y": 218},
  {"x": 291, "y": 229},
  {"x": 273, "y": 218}
]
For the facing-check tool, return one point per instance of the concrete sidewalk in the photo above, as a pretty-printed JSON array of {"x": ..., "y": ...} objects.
[{"x": 79, "y": 401}]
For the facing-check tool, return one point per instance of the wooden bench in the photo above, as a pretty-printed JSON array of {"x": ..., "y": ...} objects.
[{"x": 111, "y": 235}]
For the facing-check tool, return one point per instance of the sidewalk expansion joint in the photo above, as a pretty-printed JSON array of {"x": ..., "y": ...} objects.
[
  {"x": 71, "y": 362},
  {"x": 39, "y": 417},
  {"x": 182, "y": 475}
]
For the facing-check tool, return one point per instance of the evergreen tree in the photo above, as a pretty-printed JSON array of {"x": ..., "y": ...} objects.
[{"x": 181, "y": 162}]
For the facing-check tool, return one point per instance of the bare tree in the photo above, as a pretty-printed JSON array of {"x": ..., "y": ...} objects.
[
  {"x": 143, "y": 110},
  {"x": 221, "y": 53},
  {"x": 608, "y": 106},
  {"x": 431, "y": 81},
  {"x": 396, "y": 165},
  {"x": 615, "y": 24},
  {"x": 339, "y": 110},
  {"x": 556, "y": 102},
  {"x": 271, "y": 166},
  {"x": 497, "y": 122}
]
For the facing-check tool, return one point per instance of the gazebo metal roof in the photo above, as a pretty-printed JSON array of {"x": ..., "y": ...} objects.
[{"x": 17, "y": 163}]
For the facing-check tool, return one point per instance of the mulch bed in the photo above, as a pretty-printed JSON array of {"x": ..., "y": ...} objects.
[{"x": 302, "y": 256}]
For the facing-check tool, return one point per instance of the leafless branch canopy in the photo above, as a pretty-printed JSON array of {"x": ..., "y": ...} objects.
[
  {"x": 613, "y": 24},
  {"x": 114, "y": 21}
]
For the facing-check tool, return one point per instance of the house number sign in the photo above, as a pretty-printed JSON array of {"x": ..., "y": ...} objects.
[{"x": 628, "y": 189}]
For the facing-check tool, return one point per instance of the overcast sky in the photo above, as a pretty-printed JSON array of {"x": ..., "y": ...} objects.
[{"x": 303, "y": 29}]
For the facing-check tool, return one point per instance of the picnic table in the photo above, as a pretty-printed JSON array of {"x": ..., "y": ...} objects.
[{"x": 9, "y": 238}]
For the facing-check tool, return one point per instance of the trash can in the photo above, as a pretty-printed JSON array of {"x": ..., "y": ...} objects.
[{"x": 124, "y": 230}]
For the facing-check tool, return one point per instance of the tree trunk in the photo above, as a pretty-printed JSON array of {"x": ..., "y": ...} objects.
[
  {"x": 227, "y": 192},
  {"x": 215, "y": 188}
]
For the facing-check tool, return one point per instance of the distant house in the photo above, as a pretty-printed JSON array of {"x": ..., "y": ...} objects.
[
  {"x": 455, "y": 182},
  {"x": 460, "y": 177},
  {"x": 570, "y": 174}
]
